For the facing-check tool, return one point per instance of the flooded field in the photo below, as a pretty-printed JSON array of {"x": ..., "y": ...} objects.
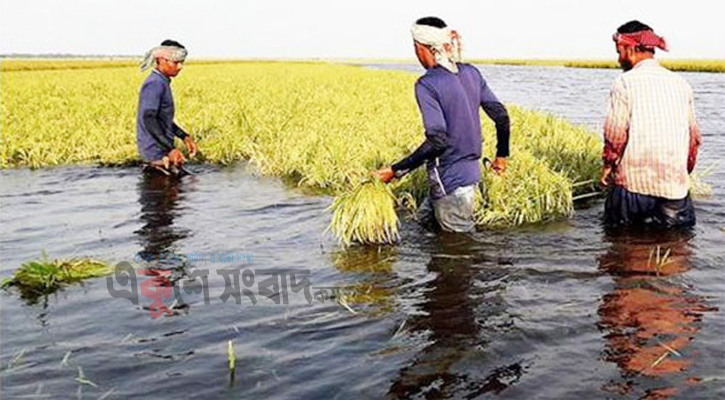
[{"x": 562, "y": 310}]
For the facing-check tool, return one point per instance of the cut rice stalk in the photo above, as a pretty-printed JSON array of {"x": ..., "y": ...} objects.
[{"x": 366, "y": 214}]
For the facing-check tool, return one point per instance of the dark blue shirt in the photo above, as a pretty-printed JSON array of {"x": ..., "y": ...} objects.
[
  {"x": 449, "y": 104},
  {"x": 155, "y": 127}
]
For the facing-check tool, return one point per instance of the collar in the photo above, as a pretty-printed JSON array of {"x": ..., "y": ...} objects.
[
  {"x": 648, "y": 63},
  {"x": 166, "y": 78},
  {"x": 439, "y": 67}
]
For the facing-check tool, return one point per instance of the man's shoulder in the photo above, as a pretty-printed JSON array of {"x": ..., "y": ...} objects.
[
  {"x": 433, "y": 75},
  {"x": 155, "y": 81},
  {"x": 652, "y": 72},
  {"x": 468, "y": 68},
  {"x": 675, "y": 77},
  {"x": 621, "y": 78},
  {"x": 428, "y": 78}
]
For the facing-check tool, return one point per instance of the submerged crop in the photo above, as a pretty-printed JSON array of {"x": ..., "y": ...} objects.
[{"x": 320, "y": 126}]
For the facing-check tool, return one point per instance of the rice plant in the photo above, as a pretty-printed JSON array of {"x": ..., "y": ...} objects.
[
  {"x": 365, "y": 214},
  {"x": 319, "y": 126},
  {"x": 568, "y": 149},
  {"x": 528, "y": 192},
  {"x": 39, "y": 278},
  {"x": 699, "y": 188},
  {"x": 231, "y": 358},
  {"x": 46, "y": 64},
  {"x": 692, "y": 65}
]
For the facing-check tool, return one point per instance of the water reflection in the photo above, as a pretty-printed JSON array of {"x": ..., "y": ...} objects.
[
  {"x": 651, "y": 315},
  {"x": 159, "y": 197},
  {"x": 373, "y": 290},
  {"x": 454, "y": 363}
]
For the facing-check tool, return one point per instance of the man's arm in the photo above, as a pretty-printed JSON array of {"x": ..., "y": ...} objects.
[
  {"x": 149, "y": 103},
  {"x": 178, "y": 132},
  {"x": 498, "y": 114},
  {"x": 616, "y": 129},
  {"x": 425, "y": 151},
  {"x": 695, "y": 137},
  {"x": 188, "y": 141},
  {"x": 436, "y": 138},
  {"x": 151, "y": 123}
]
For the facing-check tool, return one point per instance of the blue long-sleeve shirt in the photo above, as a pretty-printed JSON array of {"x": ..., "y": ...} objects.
[
  {"x": 449, "y": 104},
  {"x": 155, "y": 127}
]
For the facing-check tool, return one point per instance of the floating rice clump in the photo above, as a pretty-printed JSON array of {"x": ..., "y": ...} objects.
[
  {"x": 43, "y": 277},
  {"x": 365, "y": 214}
]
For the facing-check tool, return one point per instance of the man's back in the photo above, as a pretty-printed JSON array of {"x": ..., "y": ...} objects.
[
  {"x": 450, "y": 105},
  {"x": 459, "y": 97},
  {"x": 660, "y": 112}
]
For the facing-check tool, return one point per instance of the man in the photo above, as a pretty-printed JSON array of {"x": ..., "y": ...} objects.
[
  {"x": 650, "y": 136},
  {"x": 449, "y": 95},
  {"x": 155, "y": 127}
]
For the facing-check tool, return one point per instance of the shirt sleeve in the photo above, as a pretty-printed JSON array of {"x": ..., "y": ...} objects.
[
  {"x": 149, "y": 104},
  {"x": 150, "y": 97},
  {"x": 497, "y": 112},
  {"x": 434, "y": 120},
  {"x": 616, "y": 125},
  {"x": 436, "y": 137},
  {"x": 423, "y": 153},
  {"x": 487, "y": 95},
  {"x": 178, "y": 132},
  {"x": 499, "y": 115},
  {"x": 695, "y": 136}
]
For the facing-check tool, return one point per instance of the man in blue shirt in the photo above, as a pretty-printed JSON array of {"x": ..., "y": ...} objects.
[
  {"x": 155, "y": 126},
  {"x": 449, "y": 96}
]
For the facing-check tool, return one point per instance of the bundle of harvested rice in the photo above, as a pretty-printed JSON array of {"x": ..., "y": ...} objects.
[{"x": 365, "y": 214}]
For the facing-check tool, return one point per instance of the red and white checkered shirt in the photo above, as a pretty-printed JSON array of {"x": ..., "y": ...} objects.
[{"x": 650, "y": 134}]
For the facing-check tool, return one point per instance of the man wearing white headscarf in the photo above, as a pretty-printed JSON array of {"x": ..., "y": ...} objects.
[
  {"x": 449, "y": 96},
  {"x": 155, "y": 126}
]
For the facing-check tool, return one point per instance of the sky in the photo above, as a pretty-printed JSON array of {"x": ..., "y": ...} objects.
[{"x": 352, "y": 29}]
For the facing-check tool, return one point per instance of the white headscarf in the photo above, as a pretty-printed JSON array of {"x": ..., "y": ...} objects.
[
  {"x": 443, "y": 42},
  {"x": 172, "y": 53}
]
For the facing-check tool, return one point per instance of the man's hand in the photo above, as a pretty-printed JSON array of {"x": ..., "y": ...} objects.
[
  {"x": 385, "y": 174},
  {"x": 190, "y": 146},
  {"x": 164, "y": 162},
  {"x": 604, "y": 180},
  {"x": 176, "y": 158},
  {"x": 499, "y": 165}
]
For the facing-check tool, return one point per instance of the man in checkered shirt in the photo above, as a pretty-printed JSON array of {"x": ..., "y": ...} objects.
[{"x": 650, "y": 137}]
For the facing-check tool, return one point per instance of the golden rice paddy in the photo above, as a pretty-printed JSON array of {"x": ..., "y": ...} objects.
[{"x": 320, "y": 126}]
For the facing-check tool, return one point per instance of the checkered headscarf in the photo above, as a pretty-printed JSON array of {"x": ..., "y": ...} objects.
[
  {"x": 443, "y": 42},
  {"x": 171, "y": 53},
  {"x": 647, "y": 39}
]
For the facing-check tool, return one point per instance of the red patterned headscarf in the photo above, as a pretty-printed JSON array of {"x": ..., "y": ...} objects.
[{"x": 646, "y": 39}]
